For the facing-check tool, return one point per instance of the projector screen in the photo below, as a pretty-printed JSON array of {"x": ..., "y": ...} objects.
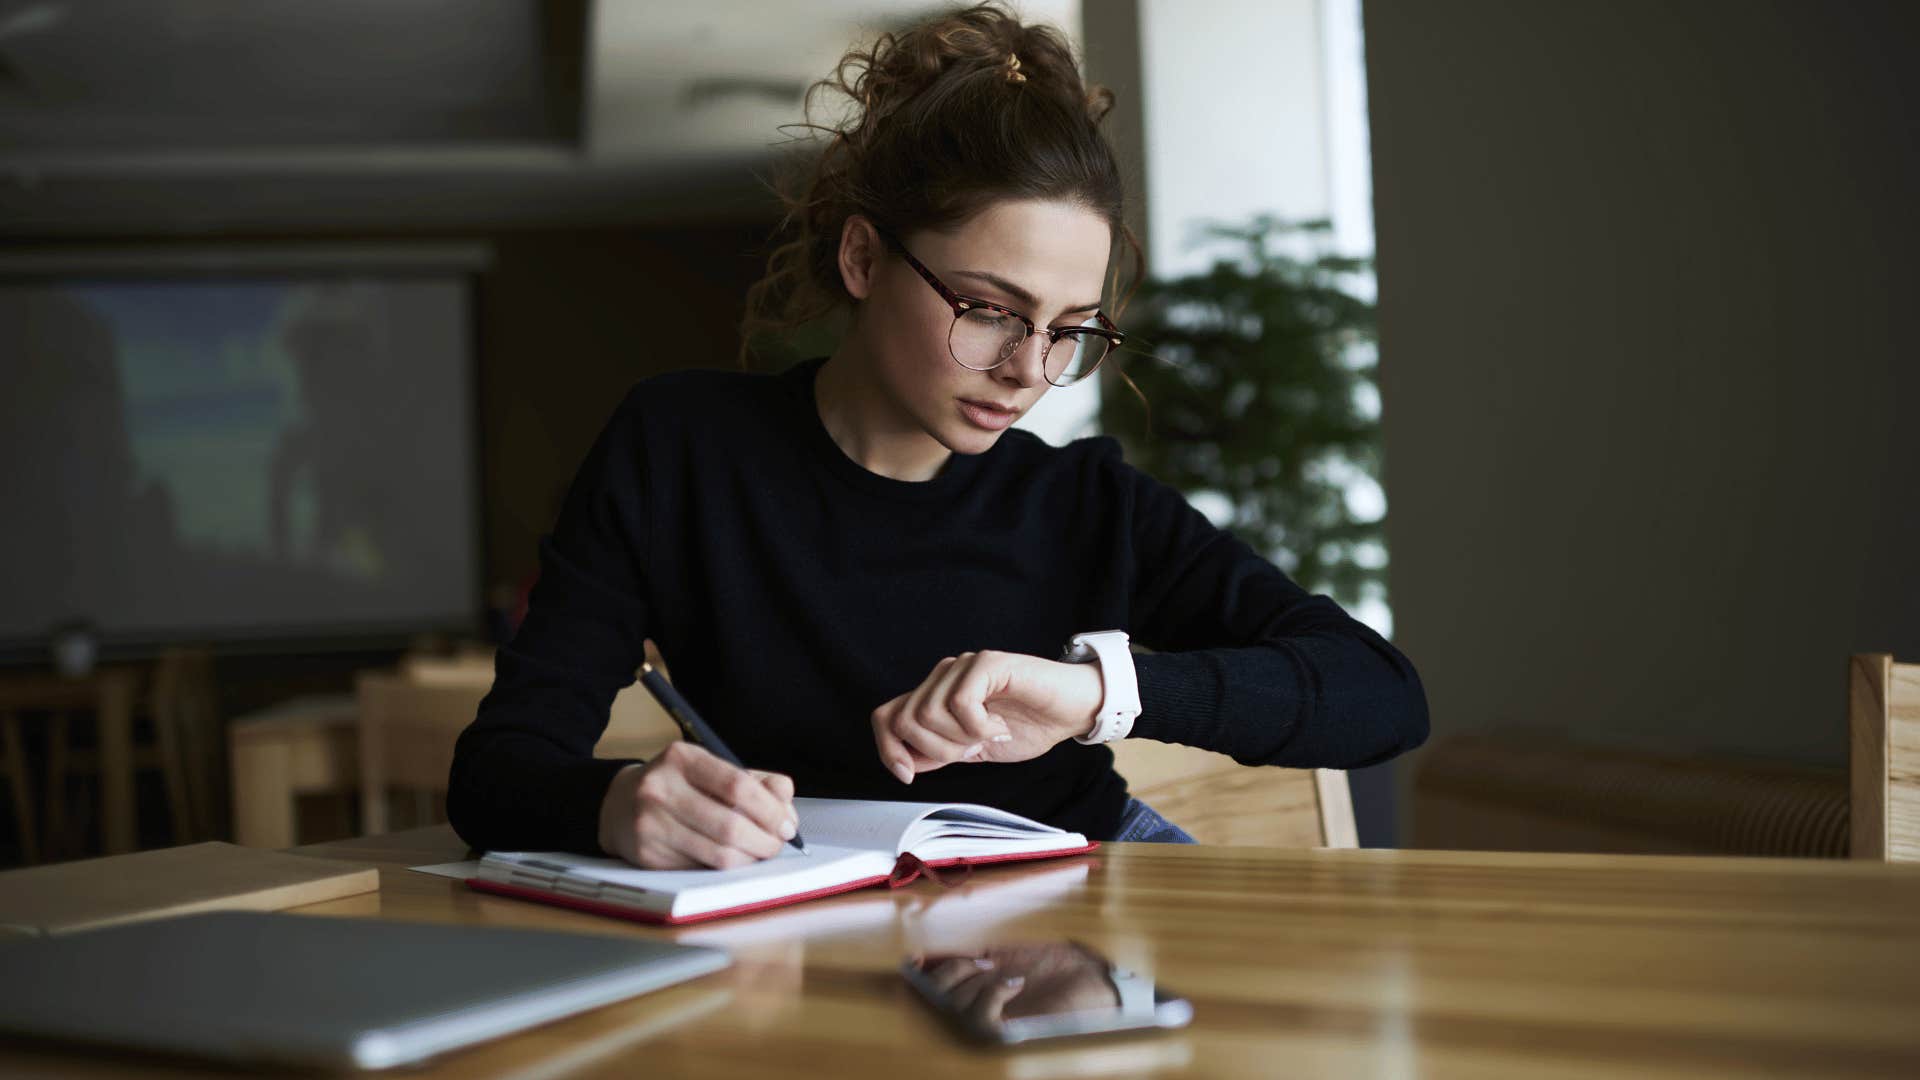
[{"x": 204, "y": 458}]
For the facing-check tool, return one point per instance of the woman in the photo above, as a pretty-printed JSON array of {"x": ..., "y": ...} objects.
[{"x": 861, "y": 575}]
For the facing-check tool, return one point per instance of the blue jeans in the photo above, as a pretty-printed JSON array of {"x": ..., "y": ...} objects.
[{"x": 1140, "y": 824}]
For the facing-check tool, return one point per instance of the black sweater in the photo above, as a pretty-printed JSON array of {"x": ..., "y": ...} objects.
[{"x": 792, "y": 591}]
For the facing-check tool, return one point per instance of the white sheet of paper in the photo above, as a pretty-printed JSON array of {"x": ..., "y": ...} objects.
[{"x": 461, "y": 870}]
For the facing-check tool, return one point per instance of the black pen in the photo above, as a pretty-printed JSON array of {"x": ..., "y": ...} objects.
[{"x": 695, "y": 730}]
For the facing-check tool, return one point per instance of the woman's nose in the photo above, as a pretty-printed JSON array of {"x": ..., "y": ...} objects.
[{"x": 1029, "y": 360}]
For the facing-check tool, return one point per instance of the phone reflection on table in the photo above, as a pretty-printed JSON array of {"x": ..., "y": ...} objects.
[{"x": 1019, "y": 993}]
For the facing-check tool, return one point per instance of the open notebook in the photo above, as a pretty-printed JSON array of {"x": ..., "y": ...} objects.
[{"x": 853, "y": 844}]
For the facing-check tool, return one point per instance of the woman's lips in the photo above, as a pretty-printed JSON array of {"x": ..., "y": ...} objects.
[{"x": 986, "y": 416}]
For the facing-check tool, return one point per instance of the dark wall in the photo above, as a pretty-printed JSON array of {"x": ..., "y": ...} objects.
[
  {"x": 567, "y": 322},
  {"x": 1649, "y": 361}
]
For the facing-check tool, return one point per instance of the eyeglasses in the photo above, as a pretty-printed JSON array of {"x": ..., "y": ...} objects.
[{"x": 985, "y": 335}]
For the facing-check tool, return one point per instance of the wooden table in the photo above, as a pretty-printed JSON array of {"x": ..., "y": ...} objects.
[
  {"x": 109, "y": 692},
  {"x": 1298, "y": 963}
]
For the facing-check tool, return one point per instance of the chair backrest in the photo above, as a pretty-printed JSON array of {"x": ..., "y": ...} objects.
[
  {"x": 186, "y": 713},
  {"x": 1524, "y": 790},
  {"x": 1883, "y": 720},
  {"x": 410, "y": 719},
  {"x": 636, "y": 727},
  {"x": 1219, "y": 801},
  {"x": 407, "y": 728},
  {"x": 448, "y": 670}
]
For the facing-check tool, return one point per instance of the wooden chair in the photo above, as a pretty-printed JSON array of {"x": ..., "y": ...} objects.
[
  {"x": 406, "y": 736},
  {"x": 13, "y": 763},
  {"x": 310, "y": 746},
  {"x": 409, "y": 720},
  {"x": 303, "y": 746},
  {"x": 1521, "y": 790},
  {"x": 1220, "y": 801},
  {"x": 179, "y": 696},
  {"x": 461, "y": 668},
  {"x": 1883, "y": 719},
  {"x": 186, "y": 718}
]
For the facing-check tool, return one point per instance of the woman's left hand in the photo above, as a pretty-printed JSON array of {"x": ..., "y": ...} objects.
[{"x": 986, "y": 706}]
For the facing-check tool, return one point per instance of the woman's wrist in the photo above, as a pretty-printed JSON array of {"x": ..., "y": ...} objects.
[{"x": 1086, "y": 693}]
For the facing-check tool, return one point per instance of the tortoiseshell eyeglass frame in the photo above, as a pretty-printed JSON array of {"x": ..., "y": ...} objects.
[{"x": 962, "y": 304}]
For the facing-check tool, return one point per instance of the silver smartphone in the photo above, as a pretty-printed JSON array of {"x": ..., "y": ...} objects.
[{"x": 1020, "y": 993}]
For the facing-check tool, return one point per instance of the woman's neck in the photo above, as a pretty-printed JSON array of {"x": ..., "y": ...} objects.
[{"x": 868, "y": 424}]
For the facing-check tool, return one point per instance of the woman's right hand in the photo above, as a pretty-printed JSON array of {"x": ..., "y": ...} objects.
[{"x": 687, "y": 809}]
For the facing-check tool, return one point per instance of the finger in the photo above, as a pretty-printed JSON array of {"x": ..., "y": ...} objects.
[
  {"x": 922, "y": 724},
  {"x": 964, "y": 995},
  {"x": 899, "y": 758},
  {"x": 947, "y": 974},
  {"x": 698, "y": 809},
  {"x": 927, "y": 705},
  {"x": 936, "y": 749},
  {"x": 992, "y": 1004},
  {"x": 968, "y": 701},
  {"x": 738, "y": 789}
]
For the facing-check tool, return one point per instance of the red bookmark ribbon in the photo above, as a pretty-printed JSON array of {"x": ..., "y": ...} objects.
[{"x": 910, "y": 868}]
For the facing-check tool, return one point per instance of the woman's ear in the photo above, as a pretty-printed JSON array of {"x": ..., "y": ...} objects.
[{"x": 860, "y": 251}]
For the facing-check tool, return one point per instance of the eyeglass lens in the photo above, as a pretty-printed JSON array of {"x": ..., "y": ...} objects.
[{"x": 983, "y": 340}]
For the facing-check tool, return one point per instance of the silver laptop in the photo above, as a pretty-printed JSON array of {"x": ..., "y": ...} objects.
[{"x": 313, "y": 990}]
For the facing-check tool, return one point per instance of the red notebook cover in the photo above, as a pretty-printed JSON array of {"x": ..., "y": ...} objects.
[{"x": 619, "y": 911}]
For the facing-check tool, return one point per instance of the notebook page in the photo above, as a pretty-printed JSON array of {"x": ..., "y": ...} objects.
[
  {"x": 968, "y": 828},
  {"x": 859, "y": 823},
  {"x": 980, "y": 822},
  {"x": 971, "y": 847}
]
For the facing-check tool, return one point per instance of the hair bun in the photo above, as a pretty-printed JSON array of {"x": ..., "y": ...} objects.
[{"x": 944, "y": 117}]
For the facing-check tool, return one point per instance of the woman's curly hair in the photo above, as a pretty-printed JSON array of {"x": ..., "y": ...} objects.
[{"x": 942, "y": 119}]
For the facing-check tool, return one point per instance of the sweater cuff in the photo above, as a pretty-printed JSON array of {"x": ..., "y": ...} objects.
[{"x": 579, "y": 789}]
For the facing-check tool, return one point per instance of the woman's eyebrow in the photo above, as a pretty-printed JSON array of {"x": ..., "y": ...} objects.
[{"x": 1015, "y": 291}]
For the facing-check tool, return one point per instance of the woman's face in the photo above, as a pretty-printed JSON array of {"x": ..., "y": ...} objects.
[{"x": 1043, "y": 259}]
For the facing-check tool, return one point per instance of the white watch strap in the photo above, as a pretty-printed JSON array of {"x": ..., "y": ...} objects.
[{"x": 1120, "y": 700}]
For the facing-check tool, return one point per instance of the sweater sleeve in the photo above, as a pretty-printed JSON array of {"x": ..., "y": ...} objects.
[
  {"x": 524, "y": 776},
  {"x": 1247, "y": 663}
]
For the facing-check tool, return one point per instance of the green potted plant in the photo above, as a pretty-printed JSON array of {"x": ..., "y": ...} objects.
[{"x": 1255, "y": 398}]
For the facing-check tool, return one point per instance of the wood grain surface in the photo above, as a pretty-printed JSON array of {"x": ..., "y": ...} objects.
[{"x": 1298, "y": 963}]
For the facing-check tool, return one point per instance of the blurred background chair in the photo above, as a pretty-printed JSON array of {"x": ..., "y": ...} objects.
[
  {"x": 386, "y": 747},
  {"x": 13, "y": 765},
  {"x": 1219, "y": 801},
  {"x": 1526, "y": 791},
  {"x": 162, "y": 719},
  {"x": 291, "y": 754},
  {"x": 409, "y": 720},
  {"x": 1883, "y": 720}
]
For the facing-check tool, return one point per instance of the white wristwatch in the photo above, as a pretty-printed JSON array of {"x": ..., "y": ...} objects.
[{"x": 1120, "y": 700}]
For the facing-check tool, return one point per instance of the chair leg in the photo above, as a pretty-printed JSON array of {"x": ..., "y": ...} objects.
[
  {"x": 166, "y": 732},
  {"x": 203, "y": 751},
  {"x": 17, "y": 780},
  {"x": 57, "y": 747}
]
